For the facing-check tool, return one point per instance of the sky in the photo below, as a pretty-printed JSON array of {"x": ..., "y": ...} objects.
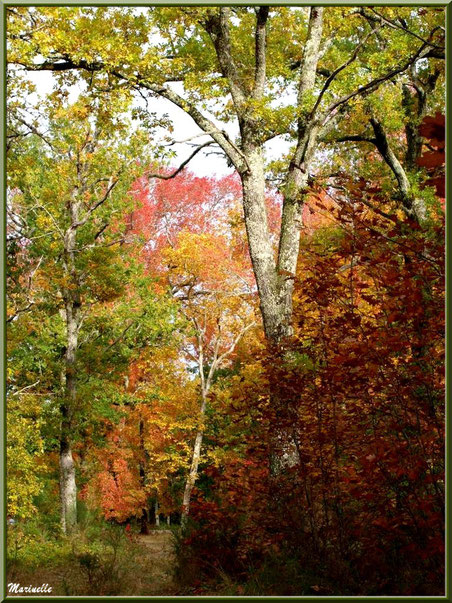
[{"x": 204, "y": 163}]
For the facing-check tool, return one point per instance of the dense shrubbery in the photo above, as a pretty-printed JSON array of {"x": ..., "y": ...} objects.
[{"x": 353, "y": 410}]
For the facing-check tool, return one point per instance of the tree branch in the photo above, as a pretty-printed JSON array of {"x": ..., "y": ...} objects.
[
  {"x": 311, "y": 52},
  {"x": 354, "y": 138},
  {"x": 182, "y": 165},
  {"x": 260, "y": 51},
  {"x": 336, "y": 72},
  {"x": 404, "y": 27},
  {"x": 382, "y": 144},
  {"x": 34, "y": 130},
  {"x": 206, "y": 125},
  {"x": 20, "y": 311},
  {"x": 374, "y": 84},
  {"x": 217, "y": 26},
  {"x": 236, "y": 156},
  {"x": 19, "y": 391},
  {"x": 234, "y": 343},
  {"x": 101, "y": 201},
  {"x": 99, "y": 245}
]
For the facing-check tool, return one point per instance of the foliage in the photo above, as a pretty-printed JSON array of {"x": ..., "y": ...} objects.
[
  {"x": 355, "y": 405},
  {"x": 24, "y": 450},
  {"x": 302, "y": 454},
  {"x": 100, "y": 560}
]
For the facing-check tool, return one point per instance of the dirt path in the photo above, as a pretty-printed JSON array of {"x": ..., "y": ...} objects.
[{"x": 159, "y": 548}]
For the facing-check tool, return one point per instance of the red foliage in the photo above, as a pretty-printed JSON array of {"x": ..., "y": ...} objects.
[
  {"x": 119, "y": 490},
  {"x": 344, "y": 463},
  {"x": 193, "y": 204},
  {"x": 434, "y": 129}
]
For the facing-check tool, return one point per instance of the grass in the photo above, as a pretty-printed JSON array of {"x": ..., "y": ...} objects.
[{"x": 100, "y": 559}]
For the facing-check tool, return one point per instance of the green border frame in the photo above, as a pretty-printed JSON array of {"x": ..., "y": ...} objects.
[{"x": 447, "y": 5}]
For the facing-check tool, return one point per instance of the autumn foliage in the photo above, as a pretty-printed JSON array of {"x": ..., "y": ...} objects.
[
  {"x": 353, "y": 404},
  {"x": 225, "y": 245}
]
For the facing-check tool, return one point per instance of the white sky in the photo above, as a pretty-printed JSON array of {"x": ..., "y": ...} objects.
[{"x": 203, "y": 164}]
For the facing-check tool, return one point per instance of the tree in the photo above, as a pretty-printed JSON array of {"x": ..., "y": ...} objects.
[
  {"x": 191, "y": 227},
  {"x": 147, "y": 451},
  {"x": 24, "y": 449},
  {"x": 360, "y": 389},
  {"x": 68, "y": 188},
  {"x": 216, "y": 300},
  {"x": 234, "y": 55}
]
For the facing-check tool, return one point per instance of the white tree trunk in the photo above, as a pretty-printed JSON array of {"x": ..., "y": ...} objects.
[
  {"x": 260, "y": 245},
  {"x": 192, "y": 477},
  {"x": 68, "y": 489},
  {"x": 157, "y": 513},
  {"x": 71, "y": 296}
]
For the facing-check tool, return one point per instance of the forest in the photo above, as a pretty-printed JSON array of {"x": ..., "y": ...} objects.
[{"x": 225, "y": 253}]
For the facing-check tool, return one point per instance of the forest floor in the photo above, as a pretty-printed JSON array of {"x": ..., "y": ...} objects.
[
  {"x": 159, "y": 555},
  {"x": 144, "y": 565},
  {"x": 147, "y": 569}
]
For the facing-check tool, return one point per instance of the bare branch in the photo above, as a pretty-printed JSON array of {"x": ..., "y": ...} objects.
[
  {"x": 234, "y": 343},
  {"x": 403, "y": 26},
  {"x": 51, "y": 216},
  {"x": 19, "y": 391},
  {"x": 98, "y": 245},
  {"x": 101, "y": 201},
  {"x": 34, "y": 130},
  {"x": 354, "y": 138},
  {"x": 232, "y": 151},
  {"x": 182, "y": 165},
  {"x": 63, "y": 64},
  {"x": 189, "y": 139},
  {"x": 120, "y": 337},
  {"x": 20, "y": 311}
]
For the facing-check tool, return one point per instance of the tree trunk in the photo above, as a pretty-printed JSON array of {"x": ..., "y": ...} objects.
[
  {"x": 275, "y": 280},
  {"x": 144, "y": 527},
  {"x": 71, "y": 296},
  {"x": 157, "y": 513},
  {"x": 144, "y": 517},
  {"x": 261, "y": 249},
  {"x": 68, "y": 489},
  {"x": 191, "y": 477}
]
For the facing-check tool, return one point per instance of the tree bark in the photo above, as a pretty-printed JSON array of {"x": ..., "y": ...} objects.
[
  {"x": 415, "y": 103},
  {"x": 260, "y": 246},
  {"x": 144, "y": 529},
  {"x": 68, "y": 489},
  {"x": 71, "y": 296},
  {"x": 413, "y": 207},
  {"x": 157, "y": 513},
  {"x": 193, "y": 475}
]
